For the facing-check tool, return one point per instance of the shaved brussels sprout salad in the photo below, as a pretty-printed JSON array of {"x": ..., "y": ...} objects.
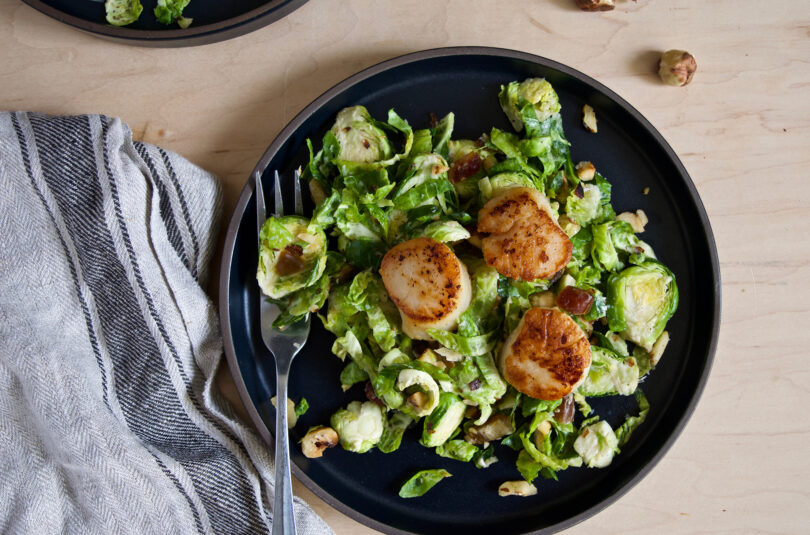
[{"x": 378, "y": 183}]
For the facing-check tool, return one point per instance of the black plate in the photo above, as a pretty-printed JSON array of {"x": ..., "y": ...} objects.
[
  {"x": 630, "y": 153},
  {"x": 214, "y": 20}
]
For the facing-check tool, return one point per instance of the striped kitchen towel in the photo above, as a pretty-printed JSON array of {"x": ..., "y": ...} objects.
[{"x": 110, "y": 421}]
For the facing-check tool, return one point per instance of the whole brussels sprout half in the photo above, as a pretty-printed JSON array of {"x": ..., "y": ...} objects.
[
  {"x": 641, "y": 299},
  {"x": 359, "y": 426},
  {"x": 536, "y": 93},
  {"x": 292, "y": 255},
  {"x": 359, "y": 138}
]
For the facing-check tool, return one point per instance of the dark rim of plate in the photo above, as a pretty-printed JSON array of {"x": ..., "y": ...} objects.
[
  {"x": 247, "y": 193},
  {"x": 257, "y": 18}
]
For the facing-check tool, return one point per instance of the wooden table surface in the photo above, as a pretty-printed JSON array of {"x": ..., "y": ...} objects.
[{"x": 742, "y": 129}]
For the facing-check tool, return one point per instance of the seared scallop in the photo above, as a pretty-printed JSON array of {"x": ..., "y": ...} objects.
[
  {"x": 547, "y": 355},
  {"x": 524, "y": 242},
  {"x": 429, "y": 285}
]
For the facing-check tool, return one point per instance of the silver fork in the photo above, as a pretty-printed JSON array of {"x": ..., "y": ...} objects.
[{"x": 284, "y": 345}]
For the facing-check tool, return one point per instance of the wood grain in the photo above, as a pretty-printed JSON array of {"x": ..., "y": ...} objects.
[{"x": 742, "y": 128}]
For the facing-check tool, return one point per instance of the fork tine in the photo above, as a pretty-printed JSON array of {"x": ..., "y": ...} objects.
[
  {"x": 260, "y": 210},
  {"x": 279, "y": 207},
  {"x": 299, "y": 203}
]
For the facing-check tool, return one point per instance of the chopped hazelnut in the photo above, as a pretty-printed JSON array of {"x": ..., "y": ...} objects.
[
  {"x": 497, "y": 427},
  {"x": 542, "y": 299},
  {"x": 317, "y": 440},
  {"x": 418, "y": 399},
  {"x": 517, "y": 488},
  {"x": 677, "y": 67},
  {"x": 638, "y": 220},
  {"x": 589, "y": 119},
  {"x": 585, "y": 171},
  {"x": 431, "y": 357},
  {"x": 316, "y": 191},
  {"x": 595, "y": 5}
]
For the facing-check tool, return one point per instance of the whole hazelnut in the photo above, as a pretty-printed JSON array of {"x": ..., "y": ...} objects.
[
  {"x": 595, "y": 5},
  {"x": 317, "y": 440},
  {"x": 677, "y": 67}
]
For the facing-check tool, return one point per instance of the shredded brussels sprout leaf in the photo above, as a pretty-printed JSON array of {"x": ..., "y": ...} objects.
[{"x": 422, "y": 481}]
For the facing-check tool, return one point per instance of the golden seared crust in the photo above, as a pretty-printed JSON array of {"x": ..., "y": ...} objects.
[
  {"x": 524, "y": 242},
  {"x": 547, "y": 355},
  {"x": 426, "y": 280}
]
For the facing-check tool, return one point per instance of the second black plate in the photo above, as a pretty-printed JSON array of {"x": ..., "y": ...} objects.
[
  {"x": 214, "y": 20},
  {"x": 630, "y": 153}
]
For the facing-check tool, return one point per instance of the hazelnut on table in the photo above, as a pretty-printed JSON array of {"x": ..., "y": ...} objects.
[
  {"x": 595, "y": 5},
  {"x": 676, "y": 67}
]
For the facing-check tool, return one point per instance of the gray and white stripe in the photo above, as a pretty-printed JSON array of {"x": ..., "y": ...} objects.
[{"x": 124, "y": 233}]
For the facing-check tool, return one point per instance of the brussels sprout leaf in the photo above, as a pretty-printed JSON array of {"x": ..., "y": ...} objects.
[
  {"x": 422, "y": 481},
  {"x": 168, "y": 11}
]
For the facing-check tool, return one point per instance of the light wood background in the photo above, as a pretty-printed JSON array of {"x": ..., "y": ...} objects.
[{"x": 742, "y": 128}]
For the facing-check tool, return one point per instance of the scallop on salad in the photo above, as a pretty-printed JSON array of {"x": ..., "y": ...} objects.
[{"x": 479, "y": 290}]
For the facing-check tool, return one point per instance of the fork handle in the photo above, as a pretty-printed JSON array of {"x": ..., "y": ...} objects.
[{"x": 283, "y": 517}]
